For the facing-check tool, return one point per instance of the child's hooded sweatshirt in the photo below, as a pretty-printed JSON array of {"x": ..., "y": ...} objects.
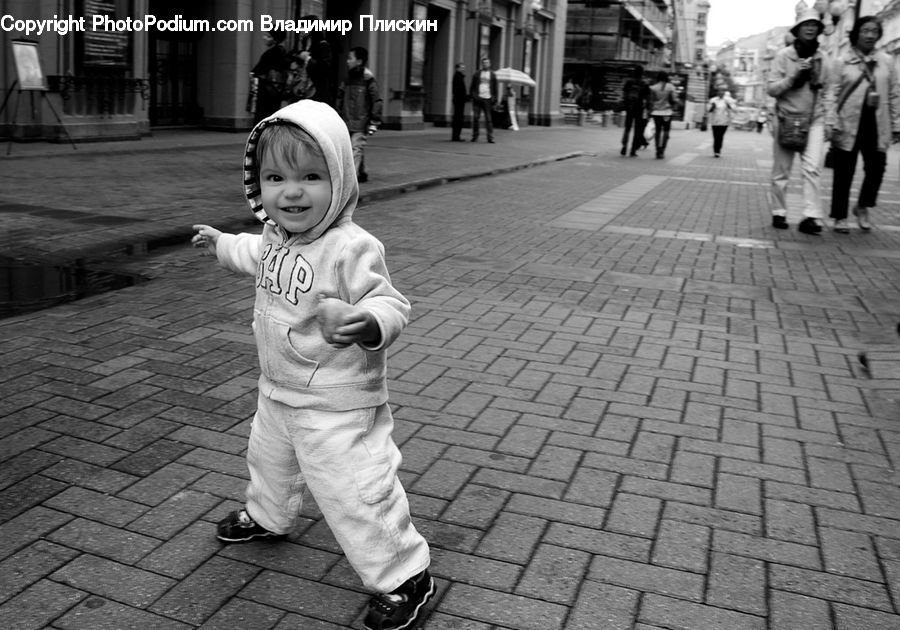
[{"x": 336, "y": 258}]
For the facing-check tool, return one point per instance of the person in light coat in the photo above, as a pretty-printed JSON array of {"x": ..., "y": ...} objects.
[
  {"x": 800, "y": 84},
  {"x": 865, "y": 120}
]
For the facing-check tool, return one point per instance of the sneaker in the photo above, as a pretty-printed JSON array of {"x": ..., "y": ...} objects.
[
  {"x": 841, "y": 227},
  {"x": 399, "y": 608},
  {"x": 862, "y": 218},
  {"x": 779, "y": 221},
  {"x": 239, "y": 527},
  {"x": 623, "y": 151},
  {"x": 810, "y": 226}
]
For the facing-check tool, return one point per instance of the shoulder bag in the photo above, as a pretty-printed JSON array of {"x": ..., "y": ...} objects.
[{"x": 829, "y": 156}]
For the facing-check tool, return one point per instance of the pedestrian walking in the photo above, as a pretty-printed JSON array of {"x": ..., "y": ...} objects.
[
  {"x": 270, "y": 72},
  {"x": 721, "y": 110},
  {"x": 636, "y": 101},
  {"x": 865, "y": 120},
  {"x": 325, "y": 312},
  {"x": 799, "y": 82},
  {"x": 662, "y": 108},
  {"x": 299, "y": 85},
  {"x": 762, "y": 116},
  {"x": 484, "y": 93},
  {"x": 359, "y": 103},
  {"x": 460, "y": 97}
]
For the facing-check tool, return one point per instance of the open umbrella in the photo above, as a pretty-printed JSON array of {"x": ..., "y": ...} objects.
[{"x": 511, "y": 75}]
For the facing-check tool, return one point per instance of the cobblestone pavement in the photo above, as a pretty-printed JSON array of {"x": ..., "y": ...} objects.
[{"x": 624, "y": 401}]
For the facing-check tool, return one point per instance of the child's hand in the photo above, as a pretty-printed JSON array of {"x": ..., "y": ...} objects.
[
  {"x": 344, "y": 324},
  {"x": 206, "y": 237}
]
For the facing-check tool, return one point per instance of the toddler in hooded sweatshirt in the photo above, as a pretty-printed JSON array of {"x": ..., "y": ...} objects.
[{"x": 324, "y": 314}]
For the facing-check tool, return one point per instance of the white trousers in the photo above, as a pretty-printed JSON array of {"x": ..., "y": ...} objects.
[
  {"x": 810, "y": 166},
  {"x": 349, "y": 462}
]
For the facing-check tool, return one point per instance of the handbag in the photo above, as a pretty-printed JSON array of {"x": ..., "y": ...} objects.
[{"x": 793, "y": 130}]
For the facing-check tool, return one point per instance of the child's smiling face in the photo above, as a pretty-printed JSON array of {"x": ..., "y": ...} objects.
[{"x": 296, "y": 196}]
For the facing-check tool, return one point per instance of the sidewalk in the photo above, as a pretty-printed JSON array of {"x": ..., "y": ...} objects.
[
  {"x": 624, "y": 401},
  {"x": 64, "y": 213}
]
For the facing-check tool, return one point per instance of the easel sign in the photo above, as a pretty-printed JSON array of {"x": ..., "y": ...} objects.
[
  {"x": 28, "y": 66},
  {"x": 29, "y": 78}
]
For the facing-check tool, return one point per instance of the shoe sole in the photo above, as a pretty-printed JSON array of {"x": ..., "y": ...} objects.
[
  {"x": 250, "y": 537},
  {"x": 431, "y": 591}
]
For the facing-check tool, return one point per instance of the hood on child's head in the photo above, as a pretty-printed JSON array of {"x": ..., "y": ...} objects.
[{"x": 329, "y": 131}]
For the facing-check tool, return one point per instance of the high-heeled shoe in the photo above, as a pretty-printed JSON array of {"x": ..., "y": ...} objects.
[{"x": 862, "y": 218}]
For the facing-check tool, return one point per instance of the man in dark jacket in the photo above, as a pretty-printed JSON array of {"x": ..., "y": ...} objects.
[
  {"x": 635, "y": 99},
  {"x": 270, "y": 72},
  {"x": 359, "y": 104},
  {"x": 460, "y": 96},
  {"x": 484, "y": 93}
]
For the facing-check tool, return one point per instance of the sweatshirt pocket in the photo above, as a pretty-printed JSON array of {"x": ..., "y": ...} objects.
[{"x": 279, "y": 359}]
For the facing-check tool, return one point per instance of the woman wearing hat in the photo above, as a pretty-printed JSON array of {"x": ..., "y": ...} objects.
[
  {"x": 800, "y": 84},
  {"x": 866, "y": 119}
]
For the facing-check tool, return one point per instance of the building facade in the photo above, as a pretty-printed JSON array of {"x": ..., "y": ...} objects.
[
  {"x": 606, "y": 40},
  {"x": 121, "y": 83}
]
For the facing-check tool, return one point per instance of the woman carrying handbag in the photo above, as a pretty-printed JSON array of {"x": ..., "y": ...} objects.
[{"x": 865, "y": 120}]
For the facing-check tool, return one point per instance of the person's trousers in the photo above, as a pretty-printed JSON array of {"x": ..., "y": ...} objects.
[
  {"x": 349, "y": 462},
  {"x": 358, "y": 140},
  {"x": 636, "y": 119},
  {"x": 482, "y": 106},
  {"x": 663, "y": 124},
  {"x": 874, "y": 162},
  {"x": 459, "y": 112},
  {"x": 810, "y": 164},
  {"x": 718, "y": 132}
]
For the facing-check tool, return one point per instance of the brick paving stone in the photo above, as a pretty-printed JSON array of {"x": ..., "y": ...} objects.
[
  {"x": 113, "y": 580},
  {"x": 503, "y": 609},
  {"x": 647, "y": 577},
  {"x": 682, "y": 546},
  {"x": 304, "y": 597},
  {"x": 476, "y": 505},
  {"x": 634, "y": 515},
  {"x": 827, "y": 586},
  {"x": 786, "y": 520},
  {"x": 511, "y": 538},
  {"x": 737, "y": 583},
  {"x": 37, "y": 606},
  {"x": 592, "y": 487},
  {"x": 554, "y": 574},
  {"x": 677, "y": 614},
  {"x": 30, "y": 565},
  {"x": 852, "y": 618},
  {"x": 205, "y": 590},
  {"x": 738, "y": 493},
  {"x": 849, "y": 553},
  {"x": 790, "y": 610},
  {"x": 724, "y": 519},
  {"x": 240, "y": 613},
  {"x": 95, "y": 613},
  {"x": 603, "y": 606},
  {"x": 104, "y": 540}
]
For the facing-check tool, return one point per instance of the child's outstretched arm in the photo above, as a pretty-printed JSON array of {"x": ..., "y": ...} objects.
[
  {"x": 206, "y": 237},
  {"x": 237, "y": 252}
]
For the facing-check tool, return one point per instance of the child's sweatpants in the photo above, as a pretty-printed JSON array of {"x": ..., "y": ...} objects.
[{"x": 349, "y": 462}]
